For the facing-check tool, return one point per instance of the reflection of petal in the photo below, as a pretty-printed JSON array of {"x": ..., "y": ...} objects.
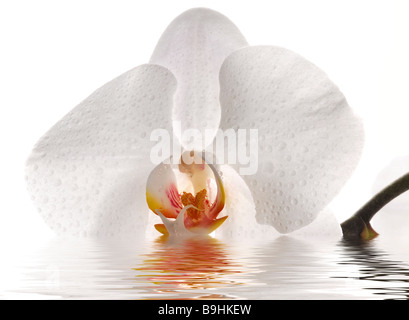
[
  {"x": 87, "y": 175},
  {"x": 190, "y": 264},
  {"x": 77, "y": 268},
  {"x": 310, "y": 141},
  {"x": 193, "y": 47}
]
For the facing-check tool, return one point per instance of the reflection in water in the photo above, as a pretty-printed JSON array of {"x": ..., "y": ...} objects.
[
  {"x": 187, "y": 265},
  {"x": 381, "y": 275},
  {"x": 207, "y": 268}
]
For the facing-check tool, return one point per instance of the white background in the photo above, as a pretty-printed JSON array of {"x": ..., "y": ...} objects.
[{"x": 55, "y": 53}]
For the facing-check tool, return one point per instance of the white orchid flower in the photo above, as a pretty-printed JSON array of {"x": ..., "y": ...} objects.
[{"x": 92, "y": 174}]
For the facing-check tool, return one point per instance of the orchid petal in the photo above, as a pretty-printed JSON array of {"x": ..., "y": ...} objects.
[
  {"x": 309, "y": 139},
  {"x": 194, "y": 47},
  {"x": 242, "y": 222},
  {"x": 240, "y": 209},
  {"x": 87, "y": 174}
]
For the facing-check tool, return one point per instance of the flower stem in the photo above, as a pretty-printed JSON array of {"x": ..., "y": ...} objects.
[{"x": 359, "y": 224}]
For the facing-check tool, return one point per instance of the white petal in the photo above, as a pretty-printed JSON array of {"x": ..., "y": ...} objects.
[
  {"x": 87, "y": 174},
  {"x": 309, "y": 139},
  {"x": 194, "y": 47},
  {"x": 240, "y": 209},
  {"x": 324, "y": 228}
]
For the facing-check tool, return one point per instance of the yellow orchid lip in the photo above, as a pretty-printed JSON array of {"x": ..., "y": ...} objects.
[
  {"x": 199, "y": 213},
  {"x": 173, "y": 196}
]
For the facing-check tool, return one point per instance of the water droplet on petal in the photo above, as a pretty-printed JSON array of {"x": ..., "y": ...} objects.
[{"x": 282, "y": 146}]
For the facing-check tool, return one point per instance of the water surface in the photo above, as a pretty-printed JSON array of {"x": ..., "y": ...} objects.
[{"x": 208, "y": 268}]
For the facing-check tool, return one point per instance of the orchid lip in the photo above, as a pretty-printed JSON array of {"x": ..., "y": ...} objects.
[
  {"x": 198, "y": 214},
  {"x": 177, "y": 227}
]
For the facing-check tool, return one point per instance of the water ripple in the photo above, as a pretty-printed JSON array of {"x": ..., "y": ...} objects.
[
  {"x": 375, "y": 266},
  {"x": 208, "y": 268}
]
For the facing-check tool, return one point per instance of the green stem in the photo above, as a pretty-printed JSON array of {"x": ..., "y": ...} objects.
[{"x": 359, "y": 224}]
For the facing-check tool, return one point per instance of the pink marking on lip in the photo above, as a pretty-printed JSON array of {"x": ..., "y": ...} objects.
[{"x": 174, "y": 197}]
